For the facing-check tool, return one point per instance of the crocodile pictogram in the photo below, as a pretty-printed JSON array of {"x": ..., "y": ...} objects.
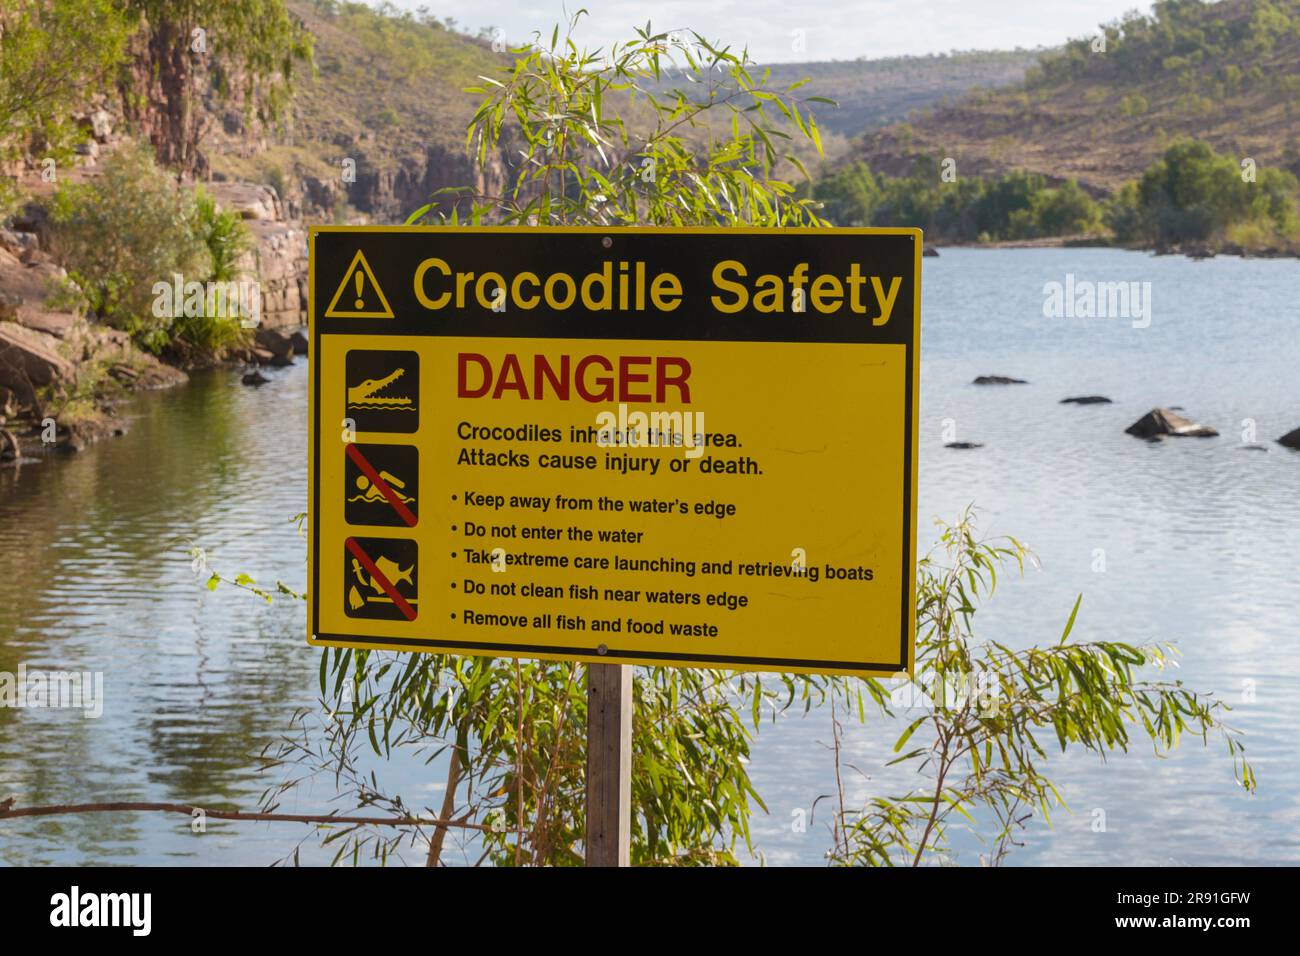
[{"x": 363, "y": 395}]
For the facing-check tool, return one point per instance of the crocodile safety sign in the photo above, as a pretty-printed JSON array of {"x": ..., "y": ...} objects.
[{"x": 693, "y": 447}]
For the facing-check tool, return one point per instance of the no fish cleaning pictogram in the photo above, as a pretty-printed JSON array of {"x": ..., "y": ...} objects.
[
  {"x": 358, "y": 295},
  {"x": 382, "y": 587}
]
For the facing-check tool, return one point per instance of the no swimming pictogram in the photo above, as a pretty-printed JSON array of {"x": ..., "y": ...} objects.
[{"x": 381, "y": 485}]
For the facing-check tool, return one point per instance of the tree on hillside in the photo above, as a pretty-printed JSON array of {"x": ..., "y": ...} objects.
[
  {"x": 849, "y": 196},
  {"x": 240, "y": 49},
  {"x": 52, "y": 53},
  {"x": 1193, "y": 194}
]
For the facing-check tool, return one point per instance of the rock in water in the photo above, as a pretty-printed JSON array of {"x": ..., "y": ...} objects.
[
  {"x": 963, "y": 444},
  {"x": 1086, "y": 400},
  {"x": 277, "y": 343},
  {"x": 254, "y": 378},
  {"x": 299, "y": 342},
  {"x": 1164, "y": 421},
  {"x": 929, "y": 251},
  {"x": 999, "y": 380},
  {"x": 1291, "y": 439}
]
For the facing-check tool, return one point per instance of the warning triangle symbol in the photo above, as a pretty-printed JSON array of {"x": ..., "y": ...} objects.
[{"x": 359, "y": 295}]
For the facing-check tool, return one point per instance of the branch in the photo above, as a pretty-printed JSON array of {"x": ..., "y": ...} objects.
[{"x": 8, "y": 811}]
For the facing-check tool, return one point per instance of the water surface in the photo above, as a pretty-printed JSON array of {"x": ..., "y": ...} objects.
[{"x": 1197, "y": 543}]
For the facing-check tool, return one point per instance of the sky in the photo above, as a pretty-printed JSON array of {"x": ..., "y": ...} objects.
[{"x": 796, "y": 30}]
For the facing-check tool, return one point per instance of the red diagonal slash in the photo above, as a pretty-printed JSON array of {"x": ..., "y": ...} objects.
[
  {"x": 369, "y": 471},
  {"x": 373, "y": 570}
]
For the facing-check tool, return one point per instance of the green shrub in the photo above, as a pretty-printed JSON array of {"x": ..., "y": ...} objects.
[
  {"x": 219, "y": 325},
  {"x": 1064, "y": 211},
  {"x": 1017, "y": 205},
  {"x": 1193, "y": 194},
  {"x": 1135, "y": 104},
  {"x": 1123, "y": 215},
  {"x": 849, "y": 197},
  {"x": 134, "y": 226},
  {"x": 223, "y": 234},
  {"x": 52, "y": 53}
]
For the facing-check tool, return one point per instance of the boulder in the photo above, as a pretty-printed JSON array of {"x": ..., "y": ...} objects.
[
  {"x": 18, "y": 242},
  {"x": 99, "y": 123},
  {"x": 251, "y": 200},
  {"x": 29, "y": 360},
  {"x": 1086, "y": 400},
  {"x": 999, "y": 380},
  {"x": 963, "y": 444},
  {"x": 1291, "y": 439},
  {"x": 254, "y": 378},
  {"x": 277, "y": 343},
  {"x": 929, "y": 251},
  {"x": 9, "y": 303},
  {"x": 1165, "y": 421},
  {"x": 321, "y": 193},
  {"x": 299, "y": 342}
]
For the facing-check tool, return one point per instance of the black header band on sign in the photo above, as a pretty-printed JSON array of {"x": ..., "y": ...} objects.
[{"x": 395, "y": 255}]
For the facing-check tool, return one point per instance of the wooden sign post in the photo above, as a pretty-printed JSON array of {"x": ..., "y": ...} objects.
[{"x": 609, "y": 764}]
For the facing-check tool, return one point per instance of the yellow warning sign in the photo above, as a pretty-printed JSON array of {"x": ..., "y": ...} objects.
[
  {"x": 688, "y": 447},
  {"x": 358, "y": 295}
]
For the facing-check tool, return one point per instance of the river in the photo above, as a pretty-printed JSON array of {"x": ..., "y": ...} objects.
[{"x": 1192, "y": 541}]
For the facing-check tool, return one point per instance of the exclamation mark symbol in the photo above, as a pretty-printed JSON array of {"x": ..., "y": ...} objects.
[{"x": 358, "y": 279}]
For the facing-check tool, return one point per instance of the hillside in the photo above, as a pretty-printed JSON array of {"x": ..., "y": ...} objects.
[
  {"x": 872, "y": 93},
  {"x": 387, "y": 93},
  {"x": 1225, "y": 73}
]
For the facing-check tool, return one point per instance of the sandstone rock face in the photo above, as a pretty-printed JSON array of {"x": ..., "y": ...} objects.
[
  {"x": 389, "y": 191},
  {"x": 100, "y": 123},
  {"x": 250, "y": 200},
  {"x": 280, "y": 264},
  {"x": 320, "y": 193},
  {"x": 1163, "y": 421},
  {"x": 41, "y": 346},
  {"x": 278, "y": 258},
  {"x": 29, "y": 360}
]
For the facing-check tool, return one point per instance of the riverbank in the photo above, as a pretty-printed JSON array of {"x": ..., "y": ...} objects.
[
  {"x": 63, "y": 375},
  {"x": 1197, "y": 250}
]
